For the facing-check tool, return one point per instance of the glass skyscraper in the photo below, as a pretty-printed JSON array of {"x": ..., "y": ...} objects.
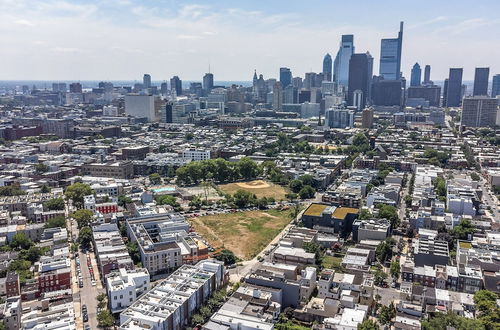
[
  {"x": 481, "y": 78},
  {"x": 416, "y": 75},
  {"x": 341, "y": 64},
  {"x": 495, "y": 88},
  {"x": 327, "y": 67},
  {"x": 390, "y": 56},
  {"x": 285, "y": 77},
  {"x": 360, "y": 78},
  {"x": 454, "y": 88}
]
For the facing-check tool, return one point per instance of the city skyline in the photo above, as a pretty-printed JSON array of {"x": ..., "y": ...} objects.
[{"x": 95, "y": 40}]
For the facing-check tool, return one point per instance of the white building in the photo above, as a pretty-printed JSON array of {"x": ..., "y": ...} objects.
[
  {"x": 125, "y": 286},
  {"x": 140, "y": 106},
  {"x": 308, "y": 110},
  {"x": 195, "y": 155},
  {"x": 110, "y": 111}
]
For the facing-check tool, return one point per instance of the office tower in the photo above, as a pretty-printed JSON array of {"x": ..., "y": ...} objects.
[
  {"x": 277, "y": 96},
  {"x": 479, "y": 111},
  {"x": 208, "y": 82},
  {"x": 387, "y": 92},
  {"x": 308, "y": 110},
  {"x": 146, "y": 81},
  {"x": 176, "y": 85},
  {"x": 304, "y": 96},
  {"x": 140, "y": 106},
  {"x": 360, "y": 77},
  {"x": 328, "y": 87},
  {"x": 429, "y": 93},
  {"x": 290, "y": 95},
  {"x": 495, "y": 87},
  {"x": 318, "y": 79},
  {"x": 59, "y": 87},
  {"x": 309, "y": 80},
  {"x": 481, "y": 78},
  {"x": 416, "y": 75},
  {"x": 367, "y": 118},
  {"x": 164, "y": 88},
  {"x": 341, "y": 64},
  {"x": 339, "y": 117},
  {"x": 427, "y": 75},
  {"x": 297, "y": 82},
  {"x": 327, "y": 67},
  {"x": 196, "y": 88},
  {"x": 75, "y": 87},
  {"x": 454, "y": 88},
  {"x": 390, "y": 56},
  {"x": 445, "y": 92},
  {"x": 357, "y": 99},
  {"x": 285, "y": 77}
]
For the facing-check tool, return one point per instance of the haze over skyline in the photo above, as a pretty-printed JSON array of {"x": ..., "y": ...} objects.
[{"x": 122, "y": 39}]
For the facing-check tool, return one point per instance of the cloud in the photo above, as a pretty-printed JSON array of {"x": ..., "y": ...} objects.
[
  {"x": 188, "y": 37},
  {"x": 24, "y": 22},
  {"x": 432, "y": 21},
  {"x": 66, "y": 50}
]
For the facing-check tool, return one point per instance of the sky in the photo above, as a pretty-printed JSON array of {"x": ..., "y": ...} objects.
[{"x": 123, "y": 39}]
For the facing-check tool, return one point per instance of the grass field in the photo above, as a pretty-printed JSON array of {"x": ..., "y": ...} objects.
[
  {"x": 244, "y": 233},
  {"x": 258, "y": 187}
]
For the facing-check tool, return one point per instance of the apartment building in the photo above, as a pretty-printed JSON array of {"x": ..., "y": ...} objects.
[
  {"x": 117, "y": 170},
  {"x": 111, "y": 253},
  {"x": 371, "y": 229},
  {"x": 171, "y": 303},
  {"x": 124, "y": 286}
]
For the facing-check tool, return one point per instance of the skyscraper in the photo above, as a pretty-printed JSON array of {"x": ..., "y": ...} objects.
[
  {"x": 327, "y": 67},
  {"x": 285, "y": 77},
  {"x": 481, "y": 78},
  {"x": 479, "y": 111},
  {"x": 495, "y": 87},
  {"x": 341, "y": 64},
  {"x": 146, "y": 80},
  {"x": 390, "y": 56},
  {"x": 176, "y": 85},
  {"x": 360, "y": 75},
  {"x": 416, "y": 75},
  {"x": 277, "y": 96},
  {"x": 454, "y": 88},
  {"x": 208, "y": 82},
  {"x": 427, "y": 75}
]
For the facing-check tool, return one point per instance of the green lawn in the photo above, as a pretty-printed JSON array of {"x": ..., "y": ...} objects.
[{"x": 331, "y": 262}]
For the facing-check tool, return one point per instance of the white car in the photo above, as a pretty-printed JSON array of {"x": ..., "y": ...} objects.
[{"x": 94, "y": 283}]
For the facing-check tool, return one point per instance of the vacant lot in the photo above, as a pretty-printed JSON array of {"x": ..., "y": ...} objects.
[
  {"x": 258, "y": 187},
  {"x": 244, "y": 233}
]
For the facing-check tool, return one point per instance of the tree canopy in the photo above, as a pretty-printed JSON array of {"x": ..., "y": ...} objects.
[{"x": 76, "y": 192}]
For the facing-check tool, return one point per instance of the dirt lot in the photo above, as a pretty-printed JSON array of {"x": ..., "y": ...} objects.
[
  {"x": 244, "y": 233},
  {"x": 258, "y": 187}
]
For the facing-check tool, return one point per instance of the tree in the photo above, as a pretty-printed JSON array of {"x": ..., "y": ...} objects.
[
  {"x": 105, "y": 319},
  {"x": 133, "y": 250},
  {"x": 307, "y": 192},
  {"x": 389, "y": 212},
  {"x": 291, "y": 196},
  {"x": 41, "y": 168},
  {"x": 227, "y": 256},
  {"x": 33, "y": 253},
  {"x": 101, "y": 300},
  {"x": 384, "y": 249},
  {"x": 85, "y": 236},
  {"x": 124, "y": 200},
  {"x": 248, "y": 168},
  {"x": 295, "y": 185},
  {"x": 485, "y": 301},
  {"x": 20, "y": 240},
  {"x": 441, "y": 321},
  {"x": 242, "y": 198},
  {"x": 83, "y": 217},
  {"x": 76, "y": 192},
  {"x": 463, "y": 229},
  {"x": 395, "y": 270},
  {"x": 54, "y": 204},
  {"x": 307, "y": 179},
  {"x": 387, "y": 313},
  {"x": 364, "y": 214},
  {"x": 45, "y": 189},
  {"x": 12, "y": 190},
  {"x": 368, "y": 325},
  {"x": 379, "y": 276},
  {"x": 166, "y": 200},
  {"x": 475, "y": 177},
  {"x": 155, "y": 179},
  {"x": 56, "y": 222}
]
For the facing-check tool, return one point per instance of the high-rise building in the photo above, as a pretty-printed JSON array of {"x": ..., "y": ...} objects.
[
  {"x": 146, "y": 81},
  {"x": 59, "y": 87},
  {"x": 445, "y": 93},
  {"x": 387, "y": 92},
  {"x": 495, "y": 87},
  {"x": 341, "y": 64},
  {"x": 164, "y": 88},
  {"x": 416, "y": 75},
  {"x": 327, "y": 67},
  {"x": 309, "y": 80},
  {"x": 277, "y": 96},
  {"x": 75, "y": 87},
  {"x": 481, "y": 78},
  {"x": 430, "y": 93},
  {"x": 427, "y": 75},
  {"x": 367, "y": 118},
  {"x": 140, "y": 106},
  {"x": 290, "y": 95},
  {"x": 390, "y": 56},
  {"x": 297, "y": 82},
  {"x": 454, "y": 88},
  {"x": 479, "y": 111},
  {"x": 176, "y": 85},
  {"x": 360, "y": 77},
  {"x": 208, "y": 82},
  {"x": 339, "y": 117},
  {"x": 285, "y": 77}
]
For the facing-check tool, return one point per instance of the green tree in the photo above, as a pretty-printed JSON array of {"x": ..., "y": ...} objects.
[
  {"x": 85, "y": 236},
  {"x": 54, "y": 204},
  {"x": 441, "y": 321},
  {"x": 76, "y": 192},
  {"x": 395, "y": 270},
  {"x": 83, "y": 217},
  {"x": 12, "y": 190},
  {"x": 368, "y": 325},
  {"x": 248, "y": 168},
  {"x": 133, "y": 250},
  {"x": 364, "y": 214},
  {"x": 45, "y": 189},
  {"x": 155, "y": 179},
  {"x": 379, "y": 276},
  {"x": 20, "y": 241},
  {"x": 475, "y": 177},
  {"x": 124, "y": 200},
  {"x": 227, "y": 256},
  {"x": 33, "y": 254},
  {"x": 307, "y": 192},
  {"x": 105, "y": 319},
  {"x": 463, "y": 229},
  {"x": 243, "y": 198},
  {"x": 56, "y": 222},
  {"x": 166, "y": 200},
  {"x": 387, "y": 313},
  {"x": 41, "y": 168},
  {"x": 307, "y": 180},
  {"x": 296, "y": 185},
  {"x": 389, "y": 212}
]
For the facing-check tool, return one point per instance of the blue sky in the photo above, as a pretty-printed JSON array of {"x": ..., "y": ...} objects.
[{"x": 122, "y": 39}]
